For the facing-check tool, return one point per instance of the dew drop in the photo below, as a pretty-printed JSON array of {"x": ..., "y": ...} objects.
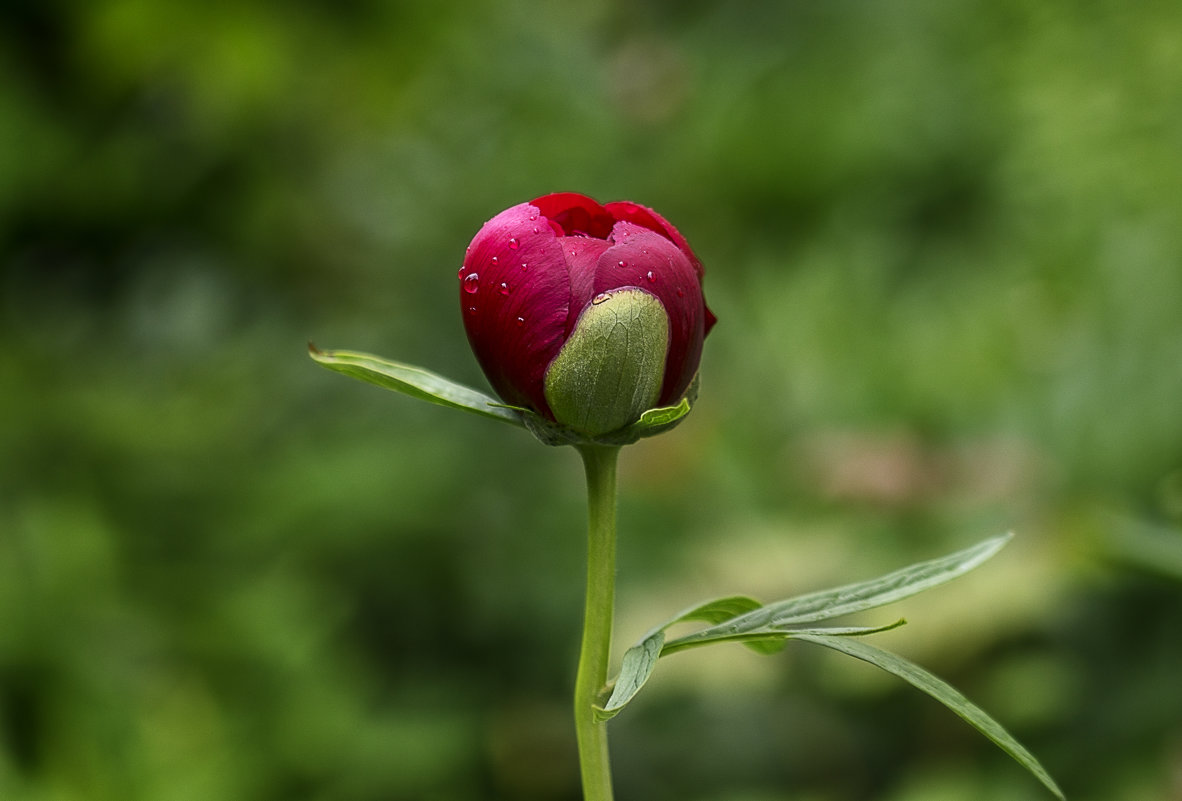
[
  {"x": 512, "y": 243},
  {"x": 533, "y": 214},
  {"x": 600, "y": 298},
  {"x": 621, "y": 263},
  {"x": 649, "y": 275},
  {"x": 460, "y": 272},
  {"x": 471, "y": 310},
  {"x": 524, "y": 266},
  {"x": 472, "y": 283},
  {"x": 504, "y": 288},
  {"x": 520, "y": 322},
  {"x": 494, "y": 259},
  {"x": 535, "y": 229}
]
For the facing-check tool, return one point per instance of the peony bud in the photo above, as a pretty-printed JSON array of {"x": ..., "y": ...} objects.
[{"x": 583, "y": 314}]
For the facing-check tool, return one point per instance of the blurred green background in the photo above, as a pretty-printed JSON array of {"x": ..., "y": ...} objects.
[{"x": 944, "y": 243}]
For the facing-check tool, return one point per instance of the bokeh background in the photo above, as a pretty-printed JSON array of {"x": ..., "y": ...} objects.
[{"x": 944, "y": 243}]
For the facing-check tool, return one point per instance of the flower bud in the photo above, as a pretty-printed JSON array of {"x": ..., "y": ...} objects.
[{"x": 583, "y": 314}]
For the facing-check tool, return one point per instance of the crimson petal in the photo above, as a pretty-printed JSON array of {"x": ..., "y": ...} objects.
[{"x": 515, "y": 316}]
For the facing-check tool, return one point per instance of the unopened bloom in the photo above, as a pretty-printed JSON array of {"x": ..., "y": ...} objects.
[{"x": 585, "y": 314}]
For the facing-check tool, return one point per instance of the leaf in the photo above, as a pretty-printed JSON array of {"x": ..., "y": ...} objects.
[
  {"x": 773, "y": 640},
  {"x": 766, "y": 629},
  {"x": 414, "y": 381},
  {"x": 640, "y": 660},
  {"x": 851, "y": 598},
  {"x": 943, "y": 692},
  {"x": 637, "y": 665}
]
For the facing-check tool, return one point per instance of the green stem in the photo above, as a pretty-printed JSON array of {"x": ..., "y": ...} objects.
[{"x": 594, "y": 761}]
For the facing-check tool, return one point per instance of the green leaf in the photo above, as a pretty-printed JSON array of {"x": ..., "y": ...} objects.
[
  {"x": 941, "y": 691},
  {"x": 414, "y": 381},
  {"x": 640, "y": 660},
  {"x": 851, "y": 598},
  {"x": 766, "y": 629},
  {"x": 772, "y": 640},
  {"x": 638, "y": 664}
]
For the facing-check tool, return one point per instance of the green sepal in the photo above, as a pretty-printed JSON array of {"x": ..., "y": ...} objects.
[
  {"x": 652, "y": 422},
  {"x": 610, "y": 368},
  {"x": 415, "y": 382}
]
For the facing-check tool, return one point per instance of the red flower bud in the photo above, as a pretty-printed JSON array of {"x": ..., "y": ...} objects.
[{"x": 532, "y": 273}]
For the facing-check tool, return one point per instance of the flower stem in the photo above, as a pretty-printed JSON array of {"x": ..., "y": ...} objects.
[{"x": 594, "y": 761}]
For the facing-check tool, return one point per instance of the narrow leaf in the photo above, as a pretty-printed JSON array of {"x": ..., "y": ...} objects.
[
  {"x": 942, "y": 692},
  {"x": 776, "y": 638},
  {"x": 852, "y": 598},
  {"x": 414, "y": 381},
  {"x": 640, "y": 660}
]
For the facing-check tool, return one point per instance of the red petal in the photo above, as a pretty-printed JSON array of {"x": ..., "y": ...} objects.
[
  {"x": 516, "y": 318},
  {"x": 647, "y": 218},
  {"x": 576, "y": 214},
  {"x": 648, "y": 260},
  {"x": 583, "y": 256}
]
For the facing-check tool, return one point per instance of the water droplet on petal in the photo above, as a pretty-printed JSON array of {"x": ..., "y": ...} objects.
[
  {"x": 680, "y": 292},
  {"x": 649, "y": 275},
  {"x": 600, "y": 298},
  {"x": 533, "y": 213},
  {"x": 524, "y": 266},
  {"x": 535, "y": 229},
  {"x": 504, "y": 288},
  {"x": 471, "y": 310},
  {"x": 460, "y": 272},
  {"x": 472, "y": 283},
  {"x": 621, "y": 263},
  {"x": 512, "y": 243},
  {"x": 520, "y": 322},
  {"x": 494, "y": 259}
]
